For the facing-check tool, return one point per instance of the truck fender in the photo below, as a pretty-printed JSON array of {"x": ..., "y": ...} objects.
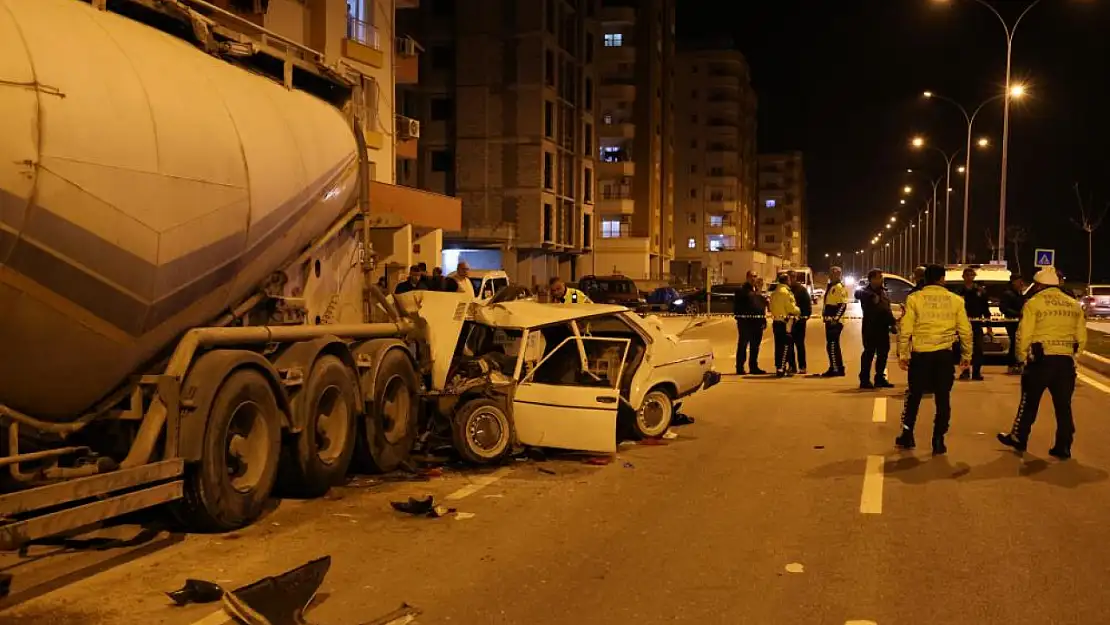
[
  {"x": 294, "y": 363},
  {"x": 203, "y": 381},
  {"x": 368, "y": 355}
]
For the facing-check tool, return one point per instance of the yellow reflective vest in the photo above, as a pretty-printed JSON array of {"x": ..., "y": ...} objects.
[
  {"x": 574, "y": 296},
  {"x": 783, "y": 304},
  {"x": 1054, "y": 320},
  {"x": 934, "y": 319}
]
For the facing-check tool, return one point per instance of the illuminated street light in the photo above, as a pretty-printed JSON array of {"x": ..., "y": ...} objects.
[
  {"x": 909, "y": 171},
  {"x": 907, "y": 189},
  {"x": 888, "y": 226},
  {"x": 893, "y": 219},
  {"x": 902, "y": 202},
  {"x": 1017, "y": 91},
  {"x": 961, "y": 169},
  {"x": 917, "y": 142},
  {"x": 983, "y": 142}
]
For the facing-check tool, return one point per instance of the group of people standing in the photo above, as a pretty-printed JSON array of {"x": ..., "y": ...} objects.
[{"x": 419, "y": 280}]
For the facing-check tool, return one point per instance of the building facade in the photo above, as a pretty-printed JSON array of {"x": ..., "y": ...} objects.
[
  {"x": 782, "y": 208},
  {"x": 717, "y": 182},
  {"x": 506, "y": 106},
  {"x": 636, "y": 151}
]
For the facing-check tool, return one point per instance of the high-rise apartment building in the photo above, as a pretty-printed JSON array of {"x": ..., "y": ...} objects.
[
  {"x": 506, "y": 107},
  {"x": 716, "y": 185},
  {"x": 635, "y": 174},
  {"x": 782, "y": 209}
]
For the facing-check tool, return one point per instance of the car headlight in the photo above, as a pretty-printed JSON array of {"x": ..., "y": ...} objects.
[{"x": 678, "y": 302}]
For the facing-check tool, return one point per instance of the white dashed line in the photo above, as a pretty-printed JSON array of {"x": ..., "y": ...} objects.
[
  {"x": 878, "y": 413},
  {"x": 871, "y": 502},
  {"x": 860, "y": 623},
  {"x": 1094, "y": 383},
  {"x": 478, "y": 484}
]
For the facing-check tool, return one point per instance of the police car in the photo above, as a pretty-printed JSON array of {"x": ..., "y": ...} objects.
[{"x": 995, "y": 279}]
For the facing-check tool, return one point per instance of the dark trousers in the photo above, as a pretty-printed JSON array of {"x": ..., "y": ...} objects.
[
  {"x": 930, "y": 372},
  {"x": 1011, "y": 331},
  {"x": 833, "y": 330},
  {"x": 782, "y": 344},
  {"x": 796, "y": 359},
  {"x": 976, "y": 350},
  {"x": 876, "y": 347},
  {"x": 1056, "y": 374},
  {"x": 749, "y": 334}
]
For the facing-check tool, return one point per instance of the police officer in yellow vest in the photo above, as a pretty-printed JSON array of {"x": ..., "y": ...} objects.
[
  {"x": 1053, "y": 329},
  {"x": 784, "y": 313},
  {"x": 561, "y": 294},
  {"x": 934, "y": 319},
  {"x": 836, "y": 303}
]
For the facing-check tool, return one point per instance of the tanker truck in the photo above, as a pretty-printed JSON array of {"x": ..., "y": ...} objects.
[{"x": 186, "y": 309}]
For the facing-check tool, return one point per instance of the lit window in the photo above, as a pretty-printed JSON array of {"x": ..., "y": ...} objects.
[
  {"x": 614, "y": 40},
  {"x": 714, "y": 245},
  {"x": 691, "y": 243},
  {"x": 716, "y": 221},
  {"x": 613, "y": 228},
  {"x": 770, "y": 203}
]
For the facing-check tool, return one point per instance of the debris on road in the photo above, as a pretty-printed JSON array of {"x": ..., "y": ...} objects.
[
  {"x": 421, "y": 507},
  {"x": 545, "y": 470},
  {"x": 629, "y": 465},
  {"x": 462, "y": 516},
  {"x": 196, "y": 591},
  {"x": 795, "y": 567},
  {"x": 598, "y": 461},
  {"x": 669, "y": 435},
  {"x": 652, "y": 442},
  {"x": 401, "y": 616},
  {"x": 818, "y": 446},
  {"x": 278, "y": 600}
]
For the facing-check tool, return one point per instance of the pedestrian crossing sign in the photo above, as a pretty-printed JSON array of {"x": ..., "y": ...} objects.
[{"x": 1044, "y": 258}]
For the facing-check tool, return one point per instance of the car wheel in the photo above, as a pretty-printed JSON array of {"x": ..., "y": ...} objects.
[
  {"x": 481, "y": 431},
  {"x": 653, "y": 418},
  {"x": 692, "y": 309}
]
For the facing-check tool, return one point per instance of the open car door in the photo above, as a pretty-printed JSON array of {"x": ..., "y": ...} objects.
[{"x": 570, "y": 399}]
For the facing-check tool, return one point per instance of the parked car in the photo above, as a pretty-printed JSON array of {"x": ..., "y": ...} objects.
[
  {"x": 663, "y": 299},
  {"x": 719, "y": 299},
  {"x": 1096, "y": 302},
  {"x": 995, "y": 280},
  {"x": 616, "y": 289},
  {"x": 487, "y": 282},
  {"x": 526, "y": 373}
]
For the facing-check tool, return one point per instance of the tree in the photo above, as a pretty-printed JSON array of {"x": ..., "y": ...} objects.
[
  {"x": 1088, "y": 223},
  {"x": 1016, "y": 235}
]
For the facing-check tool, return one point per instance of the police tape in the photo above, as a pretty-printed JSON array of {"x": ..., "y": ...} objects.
[{"x": 991, "y": 320}]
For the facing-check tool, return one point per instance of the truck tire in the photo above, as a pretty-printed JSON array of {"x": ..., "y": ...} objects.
[
  {"x": 390, "y": 425},
  {"x": 229, "y": 487},
  {"x": 318, "y": 458},
  {"x": 653, "y": 418},
  {"x": 481, "y": 431}
]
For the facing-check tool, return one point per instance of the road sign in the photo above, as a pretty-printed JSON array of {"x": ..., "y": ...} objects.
[{"x": 1044, "y": 258}]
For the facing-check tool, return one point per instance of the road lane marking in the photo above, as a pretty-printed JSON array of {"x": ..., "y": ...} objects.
[
  {"x": 860, "y": 623},
  {"x": 871, "y": 502},
  {"x": 878, "y": 413},
  {"x": 1094, "y": 383},
  {"x": 215, "y": 618},
  {"x": 479, "y": 483}
]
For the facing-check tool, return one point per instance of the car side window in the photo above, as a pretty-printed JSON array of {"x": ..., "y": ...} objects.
[
  {"x": 897, "y": 290},
  {"x": 604, "y": 359}
]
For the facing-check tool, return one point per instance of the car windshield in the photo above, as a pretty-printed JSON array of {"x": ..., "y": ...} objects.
[
  {"x": 1100, "y": 291},
  {"x": 615, "y": 286}
]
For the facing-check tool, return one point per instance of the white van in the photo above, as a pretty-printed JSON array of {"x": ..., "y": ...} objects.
[{"x": 487, "y": 282}]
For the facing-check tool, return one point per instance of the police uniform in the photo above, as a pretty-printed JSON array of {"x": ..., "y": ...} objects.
[
  {"x": 573, "y": 296},
  {"x": 1053, "y": 329},
  {"x": 784, "y": 309},
  {"x": 977, "y": 307},
  {"x": 934, "y": 319},
  {"x": 836, "y": 303}
]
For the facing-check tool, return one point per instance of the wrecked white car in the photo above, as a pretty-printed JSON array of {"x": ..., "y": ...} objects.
[{"x": 552, "y": 375}]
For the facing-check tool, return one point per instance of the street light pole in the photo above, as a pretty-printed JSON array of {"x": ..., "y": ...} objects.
[{"x": 1010, "y": 30}]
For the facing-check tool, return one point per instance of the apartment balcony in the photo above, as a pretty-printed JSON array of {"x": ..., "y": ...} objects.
[
  {"x": 615, "y": 202},
  {"x": 617, "y": 89},
  {"x": 726, "y": 228},
  {"x": 720, "y": 177},
  {"x": 406, "y": 59},
  {"x": 720, "y": 80},
  {"x": 363, "y": 43},
  {"x": 623, "y": 53},
  {"x": 721, "y": 206},
  {"x": 615, "y": 169},
  {"x": 408, "y": 135},
  {"x": 618, "y": 15},
  {"x": 618, "y": 129}
]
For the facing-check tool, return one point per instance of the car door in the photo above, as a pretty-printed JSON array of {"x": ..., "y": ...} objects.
[
  {"x": 569, "y": 400},
  {"x": 898, "y": 291}
]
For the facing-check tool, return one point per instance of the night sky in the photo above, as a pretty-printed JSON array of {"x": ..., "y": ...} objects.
[{"x": 842, "y": 81}]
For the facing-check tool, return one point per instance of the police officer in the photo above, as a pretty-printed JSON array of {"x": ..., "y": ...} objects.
[
  {"x": 836, "y": 303},
  {"x": 933, "y": 320},
  {"x": 1013, "y": 298},
  {"x": 1053, "y": 329},
  {"x": 978, "y": 308},
  {"x": 784, "y": 312},
  {"x": 562, "y": 294},
  {"x": 878, "y": 323}
]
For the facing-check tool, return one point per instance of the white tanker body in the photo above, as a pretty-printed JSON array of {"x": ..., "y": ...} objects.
[{"x": 147, "y": 188}]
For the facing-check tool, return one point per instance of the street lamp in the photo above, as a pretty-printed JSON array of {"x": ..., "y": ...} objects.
[
  {"x": 1012, "y": 91},
  {"x": 970, "y": 119},
  {"x": 983, "y": 142},
  {"x": 902, "y": 202},
  {"x": 907, "y": 189},
  {"x": 918, "y": 143},
  {"x": 961, "y": 169}
]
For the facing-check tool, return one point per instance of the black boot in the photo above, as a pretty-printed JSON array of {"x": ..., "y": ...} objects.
[
  {"x": 1011, "y": 441},
  {"x": 1060, "y": 453},
  {"x": 883, "y": 383},
  {"x": 866, "y": 385},
  {"x": 939, "y": 448},
  {"x": 905, "y": 440}
]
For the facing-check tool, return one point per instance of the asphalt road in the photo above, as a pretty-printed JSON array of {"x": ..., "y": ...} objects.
[{"x": 784, "y": 503}]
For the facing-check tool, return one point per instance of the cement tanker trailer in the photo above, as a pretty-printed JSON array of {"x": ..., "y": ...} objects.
[{"x": 171, "y": 321}]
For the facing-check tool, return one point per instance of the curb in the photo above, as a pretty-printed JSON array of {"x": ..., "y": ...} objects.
[{"x": 1095, "y": 362}]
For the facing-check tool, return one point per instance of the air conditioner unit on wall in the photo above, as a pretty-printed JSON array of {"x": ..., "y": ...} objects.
[{"x": 408, "y": 128}]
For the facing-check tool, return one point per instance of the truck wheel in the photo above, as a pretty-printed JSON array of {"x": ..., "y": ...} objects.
[
  {"x": 390, "y": 425},
  {"x": 481, "y": 431},
  {"x": 322, "y": 452},
  {"x": 229, "y": 487},
  {"x": 654, "y": 416}
]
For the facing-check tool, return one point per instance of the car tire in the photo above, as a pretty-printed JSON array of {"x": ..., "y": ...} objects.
[
  {"x": 653, "y": 417},
  {"x": 319, "y": 456},
  {"x": 692, "y": 309},
  {"x": 482, "y": 432}
]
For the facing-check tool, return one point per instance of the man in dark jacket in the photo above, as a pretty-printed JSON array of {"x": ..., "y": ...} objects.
[
  {"x": 414, "y": 283},
  {"x": 796, "y": 359},
  {"x": 918, "y": 279},
  {"x": 878, "y": 322},
  {"x": 978, "y": 307},
  {"x": 749, "y": 306},
  {"x": 1013, "y": 299}
]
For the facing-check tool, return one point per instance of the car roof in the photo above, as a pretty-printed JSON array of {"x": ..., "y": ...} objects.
[
  {"x": 492, "y": 273},
  {"x": 897, "y": 277},
  {"x": 982, "y": 274},
  {"x": 524, "y": 314}
]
